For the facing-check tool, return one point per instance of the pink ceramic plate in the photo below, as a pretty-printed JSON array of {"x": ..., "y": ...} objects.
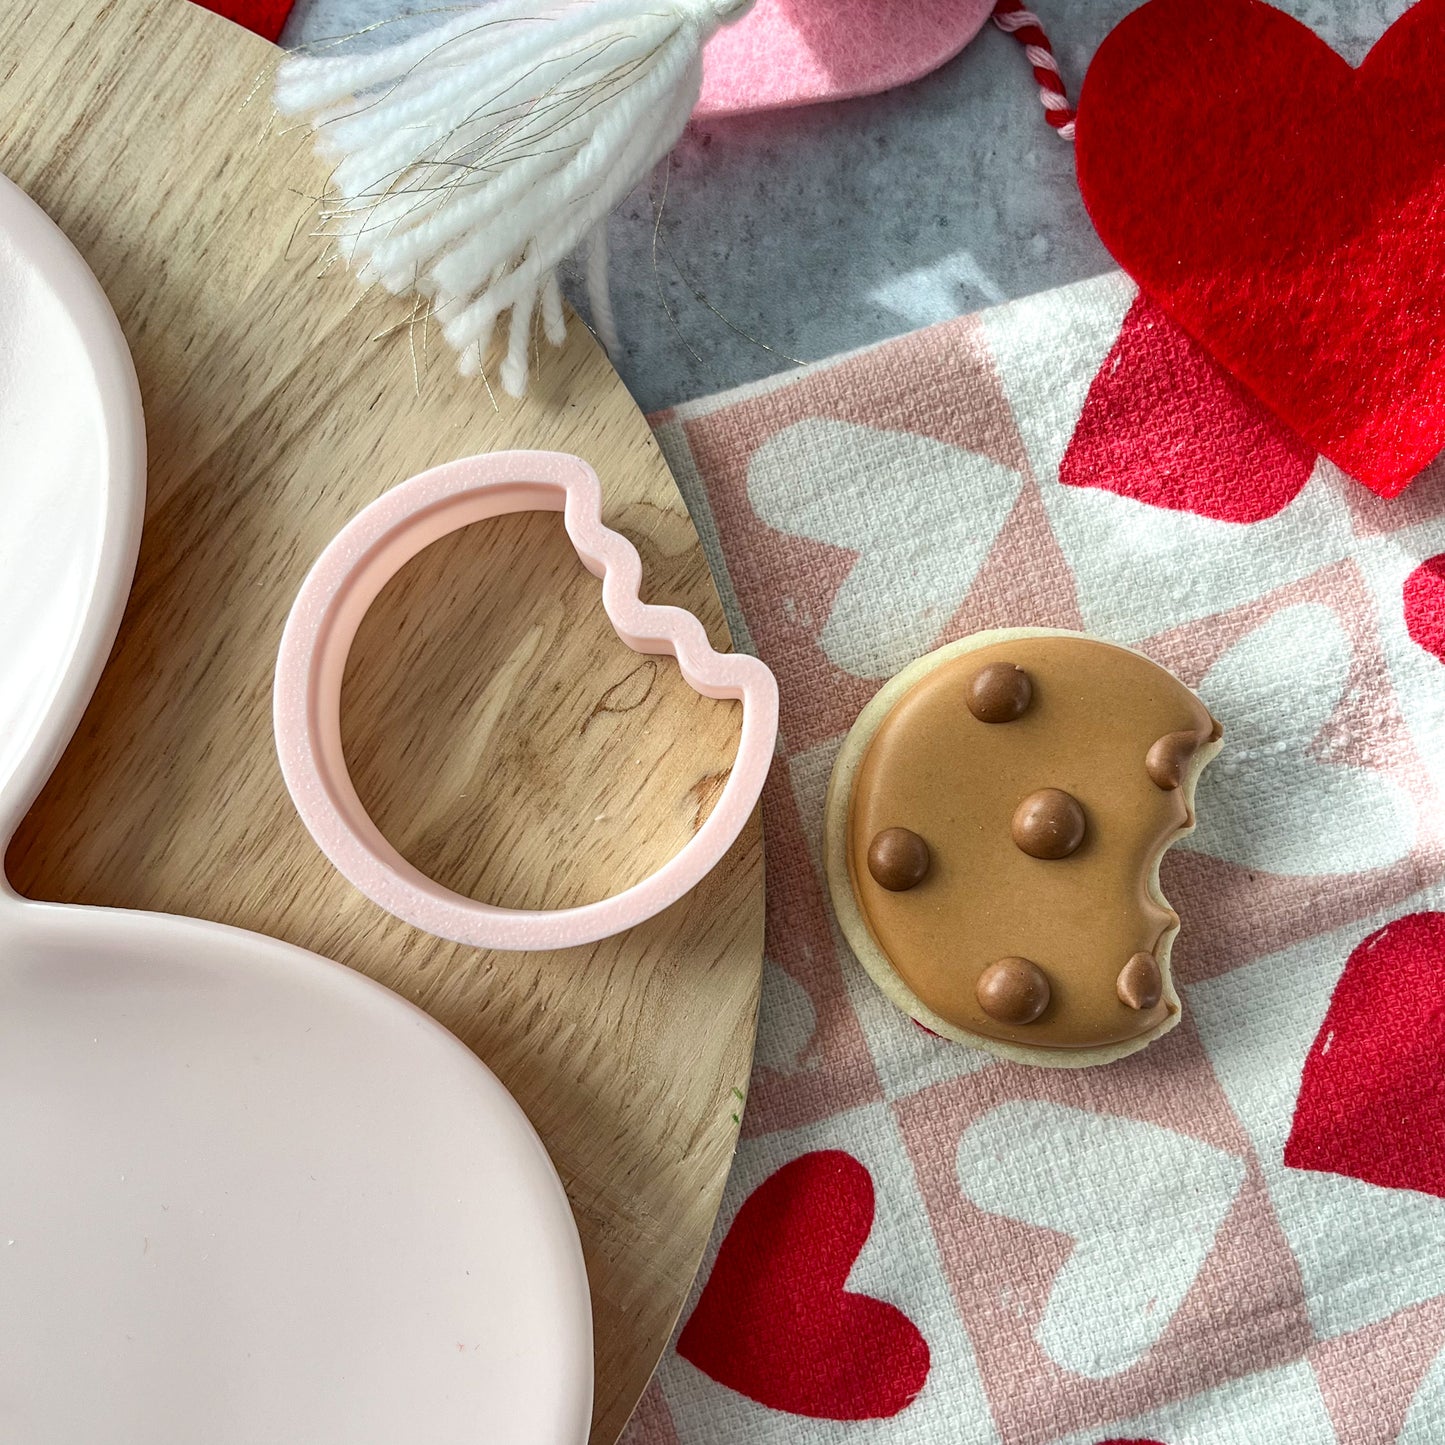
[{"x": 245, "y": 1194}]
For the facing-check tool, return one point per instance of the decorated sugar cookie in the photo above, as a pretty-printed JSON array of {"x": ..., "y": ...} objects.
[{"x": 995, "y": 824}]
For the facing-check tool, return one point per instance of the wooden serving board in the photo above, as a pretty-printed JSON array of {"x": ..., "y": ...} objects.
[{"x": 502, "y": 736}]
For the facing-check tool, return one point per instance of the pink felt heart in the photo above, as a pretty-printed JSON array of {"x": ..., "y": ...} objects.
[
  {"x": 1284, "y": 208},
  {"x": 1163, "y": 424},
  {"x": 1370, "y": 1103},
  {"x": 775, "y": 1322},
  {"x": 796, "y": 52}
]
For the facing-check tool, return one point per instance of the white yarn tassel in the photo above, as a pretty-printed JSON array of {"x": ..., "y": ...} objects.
[{"x": 470, "y": 160}]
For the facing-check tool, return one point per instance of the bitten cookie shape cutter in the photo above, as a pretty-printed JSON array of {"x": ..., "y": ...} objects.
[{"x": 347, "y": 578}]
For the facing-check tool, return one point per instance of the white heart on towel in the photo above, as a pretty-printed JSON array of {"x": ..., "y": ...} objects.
[
  {"x": 787, "y": 1023},
  {"x": 921, "y": 516},
  {"x": 1266, "y": 802},
  {"x": 1426, "y": 1416},
  {"x": 1142, "y": 1204}
]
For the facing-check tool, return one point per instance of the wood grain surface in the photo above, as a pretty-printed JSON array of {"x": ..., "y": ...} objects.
[{"x": 503, "y": 737}]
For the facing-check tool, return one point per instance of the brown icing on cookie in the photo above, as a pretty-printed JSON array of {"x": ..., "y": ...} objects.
[
  {"x": 1140, "y": 984},
  {"x": 1013, "y": 991},
  {"x": 999, "y": 693},
  {"x": 994, "y": 915},
  {"x": 1048, "y": 824},
  {"x": 898, "y": 859}
]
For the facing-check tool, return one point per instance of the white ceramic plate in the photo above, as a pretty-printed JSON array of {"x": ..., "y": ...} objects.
[{"x": 246, "y": 1195}]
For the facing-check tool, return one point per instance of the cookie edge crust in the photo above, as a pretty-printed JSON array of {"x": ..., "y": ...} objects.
[{"x": 850, "y": 915}]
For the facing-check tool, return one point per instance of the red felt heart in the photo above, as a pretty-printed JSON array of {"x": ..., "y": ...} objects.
[
  {"x": 1285, "y": 209},
  {"x": 1370, "y": 1102},
  {"x": 1163, "y": 424},
  {"x": 265, "y": 17},
  {"x": 774, "y": 1322},
  {"x": 1424, "y": 600}
]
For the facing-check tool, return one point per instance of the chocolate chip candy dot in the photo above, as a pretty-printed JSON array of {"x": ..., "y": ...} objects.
[
  {"x": 898, "y": 859},
  {"x": 1013, "y": 991},
  {"x": 1049, "y": 824},
  {"x": 999, "y": 693}
]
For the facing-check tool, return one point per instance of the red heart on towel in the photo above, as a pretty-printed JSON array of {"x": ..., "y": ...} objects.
[
  {"x": 1163, "y": 424},
  {"x": 1370, "y": 1101},
  {"x": 774, "y": 1322},
  {"x": 1424, "y": 602},
  {"x": 265, "y": 17},
  {"x": 1285, "y": 209}
]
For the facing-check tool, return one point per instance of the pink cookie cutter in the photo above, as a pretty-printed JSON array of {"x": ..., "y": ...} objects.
[{"x": 335, "y": 596}]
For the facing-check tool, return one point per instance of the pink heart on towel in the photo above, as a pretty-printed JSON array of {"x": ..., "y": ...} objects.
[{"x": 797, "y": 52}]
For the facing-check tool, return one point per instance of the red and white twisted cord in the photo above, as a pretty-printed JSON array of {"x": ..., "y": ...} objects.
[{"x": 1013, "y": 19}]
